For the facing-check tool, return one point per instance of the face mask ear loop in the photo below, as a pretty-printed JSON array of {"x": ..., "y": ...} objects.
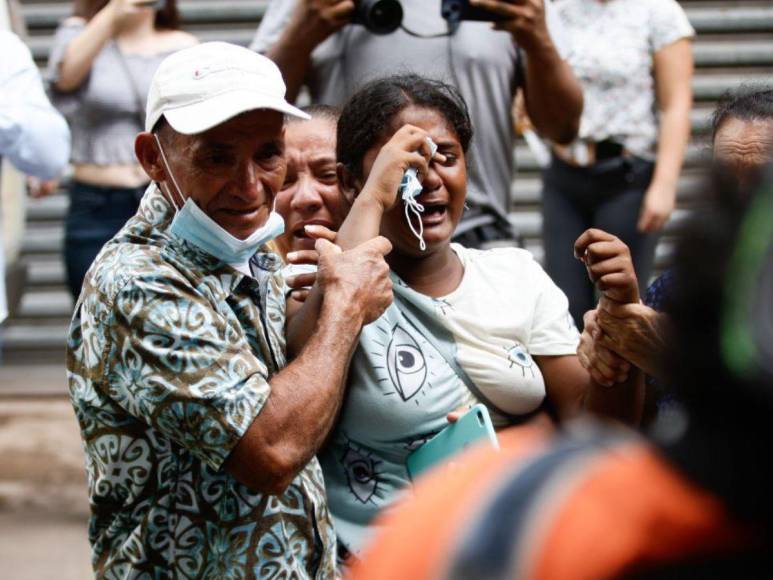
[
  {"x": 412, "y": 206},
  {"x": 171, "y": 175}
]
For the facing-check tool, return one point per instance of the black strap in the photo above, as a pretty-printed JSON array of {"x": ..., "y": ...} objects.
[{"x": 139, "y": 100}]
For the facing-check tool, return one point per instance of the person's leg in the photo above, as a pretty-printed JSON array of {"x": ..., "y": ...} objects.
[
  {"x": 619, "y": 214},
  {"x": 564, "y": 218}
]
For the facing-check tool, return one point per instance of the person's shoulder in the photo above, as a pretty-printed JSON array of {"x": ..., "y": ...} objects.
[
  {"x": 126, "y": 267},
  {"x": 505, "y": 259},
  {"x": 177, "y": 39}
]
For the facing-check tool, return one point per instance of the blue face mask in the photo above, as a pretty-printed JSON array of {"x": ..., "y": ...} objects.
[{"x": 193, "y": 225}]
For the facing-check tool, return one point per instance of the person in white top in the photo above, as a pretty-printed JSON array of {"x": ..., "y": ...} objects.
[{"x": 634, "y": 62}]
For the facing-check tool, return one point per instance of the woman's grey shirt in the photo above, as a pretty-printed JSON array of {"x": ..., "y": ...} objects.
[{"x": 106, "y": 111}]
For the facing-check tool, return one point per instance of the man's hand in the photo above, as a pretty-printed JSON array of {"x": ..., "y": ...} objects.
[
  {"x": 321, "y": 18},
  {"x": 356, "y": 282},
  {"x": 637, "y": 333},
  {"x": 605, "y": 367},
  {"x": 524, "y": 19},
  {"x": 609, "y": 265},
  {"x": 656, "y": 208}
]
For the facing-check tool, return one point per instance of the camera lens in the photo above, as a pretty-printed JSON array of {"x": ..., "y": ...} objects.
[{"x": 379, "y": 16}]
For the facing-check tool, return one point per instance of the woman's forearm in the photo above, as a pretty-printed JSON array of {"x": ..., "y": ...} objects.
[
  {"x": 82, "y": 50},
  {"x": 672, "y": 143},
  {"x": 673, "y": 70}
]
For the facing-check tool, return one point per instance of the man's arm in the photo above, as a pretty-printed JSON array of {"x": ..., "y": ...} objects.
[
  {"x": 307, "y": 394},
  {"x": 311, "y": 22},
  {"x": 33, "y": 135},
  {"x": 553, "y": 96}
]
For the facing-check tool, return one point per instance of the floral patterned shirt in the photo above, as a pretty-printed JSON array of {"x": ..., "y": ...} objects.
[
  {"x": 168, "y": 359},
  {"x": 610, "y": 47}
]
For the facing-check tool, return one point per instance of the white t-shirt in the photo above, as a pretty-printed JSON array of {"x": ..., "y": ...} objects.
[
  {"x": 611, "y": 46},
  {"x": 506, "y": 310}
]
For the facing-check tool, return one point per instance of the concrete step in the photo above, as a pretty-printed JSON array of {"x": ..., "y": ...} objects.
[
  {"x": 714, "y": 17},
  {"x": 46, "y": 304}
]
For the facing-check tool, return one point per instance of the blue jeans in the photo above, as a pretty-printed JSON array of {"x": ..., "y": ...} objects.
[
  {"x": 95, "y": 216},
  {"x": 607, "y": 196}
]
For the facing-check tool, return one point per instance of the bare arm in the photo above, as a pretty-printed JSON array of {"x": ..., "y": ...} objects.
[
  {"x": 673, "y": 68},
  {"x": 553, "y": 96},
  {"x": 306, "y": 395},
  {"x": 571, "y": 389},
  {"x": 407, "y": 148},
  {"x": 83, "y": 49},
  {"x": 311, "y": 23}
]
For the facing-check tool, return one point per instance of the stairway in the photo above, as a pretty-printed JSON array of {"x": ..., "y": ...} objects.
[{"x": 734, "y": 46}]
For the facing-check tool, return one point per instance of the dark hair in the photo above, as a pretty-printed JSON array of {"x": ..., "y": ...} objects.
[
  {"x": 369, "y": 113},
  {"x": 746, "y": 104},
  {"x": 326, "y": 112},
  {"x": 168, "y": 18}
]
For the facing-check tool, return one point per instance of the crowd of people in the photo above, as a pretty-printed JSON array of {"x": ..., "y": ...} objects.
[{"x": 276, "y": 306}]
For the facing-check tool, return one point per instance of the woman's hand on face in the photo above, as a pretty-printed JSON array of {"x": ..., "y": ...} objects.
[
  {"x": 408, "y": 147},
  {"x": 609, "y": 265},
  {"x": 120, "y": 10}
]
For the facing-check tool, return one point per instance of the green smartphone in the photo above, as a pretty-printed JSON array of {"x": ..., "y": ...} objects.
[{"x": 472, "y": 428}]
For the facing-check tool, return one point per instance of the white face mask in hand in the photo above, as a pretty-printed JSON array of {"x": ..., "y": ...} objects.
[
  {"x": 410, "y": 188},
  {"x": 193, "y": 225}
]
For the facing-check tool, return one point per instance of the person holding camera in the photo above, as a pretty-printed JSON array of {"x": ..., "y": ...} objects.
[{"x": 335, "y": 46}]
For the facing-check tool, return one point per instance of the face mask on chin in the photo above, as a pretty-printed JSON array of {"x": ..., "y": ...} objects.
[{"x": 193, "y": 225}]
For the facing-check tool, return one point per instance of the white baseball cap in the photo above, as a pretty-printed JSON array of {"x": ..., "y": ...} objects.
[{"x": 199, "y": 87}]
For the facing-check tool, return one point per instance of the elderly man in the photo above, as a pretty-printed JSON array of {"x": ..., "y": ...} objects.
[{"x": 200, "y": 445}]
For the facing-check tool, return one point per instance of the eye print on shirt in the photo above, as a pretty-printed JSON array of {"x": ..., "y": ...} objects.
[
  {"x": 405, "y": 363},
  {"x": 408, "y": 367},
  {"x": 362, "y": 473},
  {"x": 517, "y": 356}
]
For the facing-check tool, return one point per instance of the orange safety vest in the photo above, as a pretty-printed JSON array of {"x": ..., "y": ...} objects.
[{"x": 593, "y": 505}]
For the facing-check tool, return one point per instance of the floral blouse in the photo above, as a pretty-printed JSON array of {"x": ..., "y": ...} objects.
[{"x": 611, "y": 44}]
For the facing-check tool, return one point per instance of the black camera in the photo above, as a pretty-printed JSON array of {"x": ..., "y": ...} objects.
[
  {"x": 378, "y": 16},
  {"x": 457, "y": 10}
]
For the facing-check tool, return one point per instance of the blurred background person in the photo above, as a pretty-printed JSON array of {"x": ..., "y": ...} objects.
[
  {"x": 99, "y": 72},
  {"x": 599, "y": 502},
  {"x": 317, "y": 43},
  {"x": 34, "y": 137},
  {"x": 634, "y": 62},
  {"x": 639, "y": 334}
]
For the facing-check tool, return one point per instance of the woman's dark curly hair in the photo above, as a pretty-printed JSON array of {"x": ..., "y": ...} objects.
[{"x": 368, "y": 115}]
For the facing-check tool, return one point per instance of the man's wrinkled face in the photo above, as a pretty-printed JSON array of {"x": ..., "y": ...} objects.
[
  {"x": 310, "y": 192},
  {"x": 232, "y": 171},
  {"x": 744, "y": 146}
]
